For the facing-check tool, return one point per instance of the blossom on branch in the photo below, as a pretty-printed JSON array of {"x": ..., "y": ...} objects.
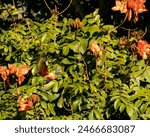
[
  {"x": 143, "y": 49},
  {"x": 19, "y": 71},
  {"x": 24, "y": 105},
  {"x": 130, "y": 6},
  {"x": 120, "y": 6},
  {"x": 4, "y": 73},
  {"x": 96, "y": 49}
]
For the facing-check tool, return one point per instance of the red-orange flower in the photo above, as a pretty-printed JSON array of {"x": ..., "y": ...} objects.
[
  {"x": 12, "y": 68},
  {"x": 129, "y": 6},
  {"x": 143, "y": 49},
  {"x": 50, "y": 76},
  {"x": 4, "y": 73},
  {"x": 137, "y": 6},
  {"x": 21, "y": 71},
  {"x": 95, "y": 49},
  {"x": 24, "y": 105},
  {"x": 120, "y": 6}
]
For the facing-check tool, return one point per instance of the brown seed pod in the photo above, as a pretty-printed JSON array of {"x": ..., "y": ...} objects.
[
  {"x": 76, "y": 24},
  {"x": 34, "y": 98}
]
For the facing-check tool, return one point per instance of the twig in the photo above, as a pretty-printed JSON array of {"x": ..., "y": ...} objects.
[
  {"x": 105, "y": 69},
  {"x": 144, "y": 33},
  {"x": 4, "y": 84},
  {"x": 61, "y": 11},
  {"x": 47, "y": 6},
  {"x": 128, "y": 29},
  {"x": 122, "y": 22},
  {"x": 66, "y": 8}
]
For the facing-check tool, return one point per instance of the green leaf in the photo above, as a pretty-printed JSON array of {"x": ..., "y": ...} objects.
[
  {"x": 35, "y": 81},
  {"x": 76, "y": 48},
  {"x": 65, "y": 50},
  {"x": 97, "y": 114},
  {"x": 95, "y": 12},
  {"x": 53, "y": 97},
  {"x": 93, "y": 29},
  {"x": 43, "y": 104},
  {"x": 6, "y": 49},
  {"x": 34, "y": 71},
  {"x": 138, "y": 103},
  {"x": 51, "y": 108},
  {"x": 148, "y": 111},
  {"x": 45, "y": 96},
  {"x": 143, "y": 108},
  {"x": 48, "y": 112},
  {"x": 75, "y": 104},
  {"x": 43, "y": 37},
  {"x": 117, "y": 104},
  {"x": 129, "y": 110},
  {"x": 31, "y": 90},
  {"x": 66, "y": 61},
  {"x": 60, "y": 102},
  {"x": 91, "y": 115},
  {"x": 56, "y": 87},
  {"x": 97, "y": 18},
  {"x": 49, "y": 85},
  {"x": 122, "y": 107}
]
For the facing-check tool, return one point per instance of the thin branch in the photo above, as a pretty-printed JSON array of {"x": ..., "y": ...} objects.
[
  {"x": 66, "y": 8},
  {"x": 129, "y": 29},
  {"x": 105, "y": 69},
  {"x": 144, "y": 33},
  {"x": 122, "y": 22},
  {"x": 47, "y": 6}
]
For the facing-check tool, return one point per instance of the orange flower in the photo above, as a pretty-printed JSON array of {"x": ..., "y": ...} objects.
[
  {"x": 137, "y": 6},
  {"x": 24, "y": 105},
  {"x": 120, "y": 6},
  {"x": 95, "y": 49},
  {"x": 51, "y": 76},
  {"x": 4, "y": 73},
  {"x": 12, "y": 68},
  {"x": 21, "y": 79},
  {"x": 143, "y": 49},
  {"x": 20, "y": 72},
  {"x": 129, "y": 6}
]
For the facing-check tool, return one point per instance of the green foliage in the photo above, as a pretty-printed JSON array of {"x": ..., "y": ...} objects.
[{"x": 115, "y": 85}]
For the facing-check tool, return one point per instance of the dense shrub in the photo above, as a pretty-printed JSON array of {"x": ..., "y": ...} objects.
[{"x": 98, "y": 74}]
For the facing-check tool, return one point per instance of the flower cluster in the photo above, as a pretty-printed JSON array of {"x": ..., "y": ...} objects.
[
  {"x": 19, "y": 71},
  {"x": 96, "y": 49},
  {"x": 27, "y": 104},
  {"x": 24, "y": 105},
  {"x": 129, "y": 6},
  {"x": 143, "y": 49}
]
